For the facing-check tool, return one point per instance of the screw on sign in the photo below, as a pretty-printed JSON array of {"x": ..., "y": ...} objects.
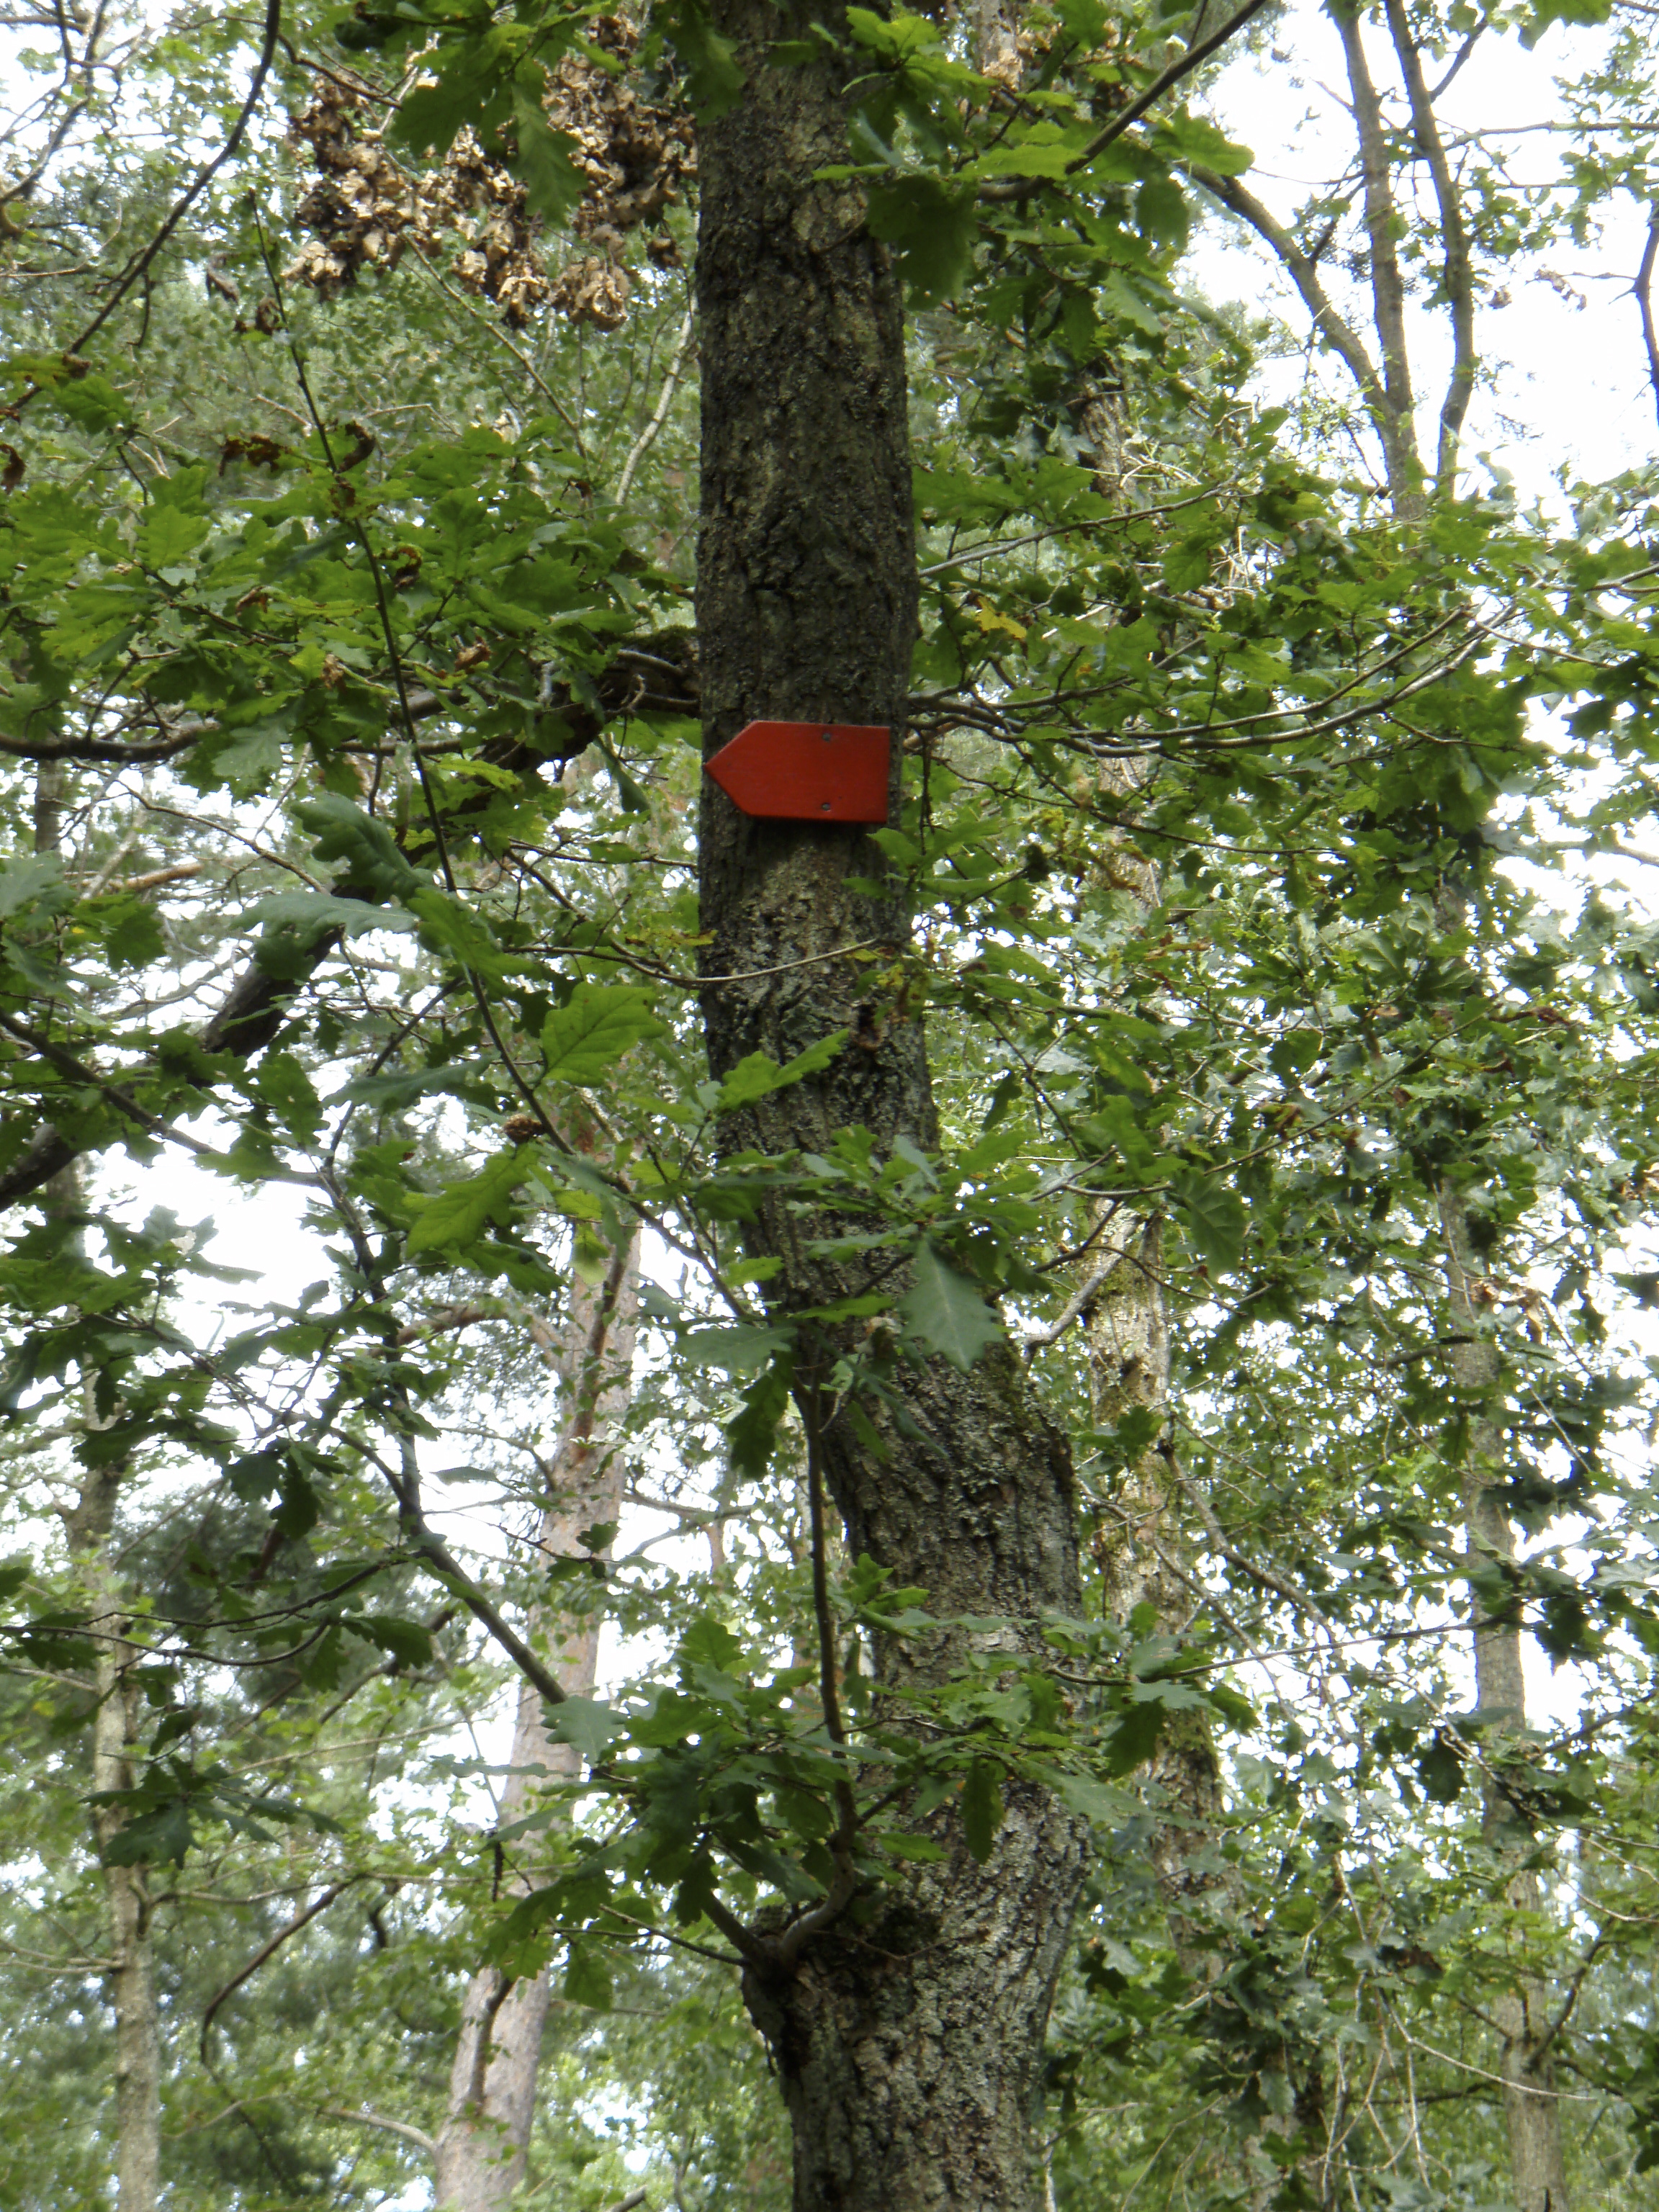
[{"x": 806, "y": 771}]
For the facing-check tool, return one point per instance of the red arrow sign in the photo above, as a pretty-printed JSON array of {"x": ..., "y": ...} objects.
[{"x": 805, "y": 771}]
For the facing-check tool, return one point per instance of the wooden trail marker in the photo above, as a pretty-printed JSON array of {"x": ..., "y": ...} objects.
[{"x": 806, "y": 771}]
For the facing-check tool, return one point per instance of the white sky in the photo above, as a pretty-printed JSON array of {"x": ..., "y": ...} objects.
[{"x": 1574, "y": 377}]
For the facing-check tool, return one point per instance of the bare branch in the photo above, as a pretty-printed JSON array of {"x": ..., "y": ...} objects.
[
  {"x": 1456, "y": 277},
  {"x": 1643, "y": 290},
  {"x": 142, "y": 262},
  {"x": 1077, "y": 1304},
  {"x": 290, "y": 1928},
  {"x": 1341, "y": 337},
  {"x": 647, "y": 437},
  {"x": 1388, "y": 285},
  {"x": 416, "y": 2135}
]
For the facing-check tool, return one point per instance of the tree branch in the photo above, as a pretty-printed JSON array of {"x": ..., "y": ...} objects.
[
  {"x": 1388, "y": 286},
  {"x": 291, "y": 1927},
  {"x": 249, "y": 1018},
  {"x": 1643, "y": 290},
  {"x": 405, "y": 1486},
  {"x": 1014, "y": 188},
  {"x": 416, "y": 2135},
  {"x": 105, "y": 750},
  {"x": 1456, "y": 277},
  {"x": 1341, "y": 337},
  {"x": 142, "y": 262},
  {"x": 647, "y": 437},
  {"x": 1079, "y": 1302}
]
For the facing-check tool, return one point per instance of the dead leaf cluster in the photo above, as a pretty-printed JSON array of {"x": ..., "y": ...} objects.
[
  {"x": 365, "y": 210},
  {"x": 478, "y": 199},
  {"x": 637, "y": 156}
]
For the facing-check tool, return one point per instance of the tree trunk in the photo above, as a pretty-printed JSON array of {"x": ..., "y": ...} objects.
[
  {"x": 1139, "y": 1548},
  {"x": 130, "y": 1980},
  {"x": 994, "y": 39},
  {"x": 907, "y": 2047},
  {"x": 1532, "y": 2109},
  {"x": 481, "y": 2149},
  {"x": 1144, "y": 1560},
  {"x": 1141, "y": 1556},
  {"x": 89, "y": 1526},
  {"x": 132, "y": 1974}
]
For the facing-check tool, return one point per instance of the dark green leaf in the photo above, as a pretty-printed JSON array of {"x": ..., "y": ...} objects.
[
  {"x": 944, "y": 1313},
  {"x": 981, "y": 1808}
]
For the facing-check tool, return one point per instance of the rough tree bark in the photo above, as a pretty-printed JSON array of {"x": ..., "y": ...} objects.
[
  {"x": 1532, "y": 2108},
  {"x": 481, "y": 2149},
  {"x": 907, "y": 2048}
]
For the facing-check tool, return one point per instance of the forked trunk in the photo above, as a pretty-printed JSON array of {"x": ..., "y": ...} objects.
[{"x": 907, "y": 2044}]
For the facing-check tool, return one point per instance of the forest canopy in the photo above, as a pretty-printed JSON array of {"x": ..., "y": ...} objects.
[{"x": 711, "y": 1510}]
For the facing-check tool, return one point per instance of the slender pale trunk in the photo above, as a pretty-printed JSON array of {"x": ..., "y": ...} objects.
[
  {"x": 1142, "y": 1555},
  {"x": 994, "y": 34},
  {"x": 131, "y": 1978},
  {"x": 481, "y": 2149},
  {"x": 908, "y": 2045},
  {"x": 1144, "y": 1559},
  {"x": 1141, "y": 1550},
  {"x": 89, "y": 1526},
  {"x": 1532, "y": 2108}
]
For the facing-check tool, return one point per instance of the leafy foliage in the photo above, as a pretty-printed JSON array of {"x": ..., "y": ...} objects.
[{"x": 1251, "y": 822}]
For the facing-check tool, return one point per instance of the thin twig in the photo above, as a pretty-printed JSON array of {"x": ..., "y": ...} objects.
[
  {"x": 1291, "y": 1592},
  {"x": 141, "y": 263},
  {"x": 291, "y": 1927},
  {"x": 495, "y": 331},
  {"x": 647, "y": 437},
  {"x": 787, "y": 1948},
  {"x": 416, "y": 2135}
]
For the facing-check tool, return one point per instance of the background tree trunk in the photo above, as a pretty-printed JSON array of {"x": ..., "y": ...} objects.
[
  {"x": 1532, "y": 2109},
  {"x": 907, "y": 2047},
  {"x": 130, "y": 1978},
  {"x": 1142, "y": 1555},
  {"x": 482, "y": 2148},
  {"x": 133, "y": 1971},
  {"x": 89, "y": 1526}
]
